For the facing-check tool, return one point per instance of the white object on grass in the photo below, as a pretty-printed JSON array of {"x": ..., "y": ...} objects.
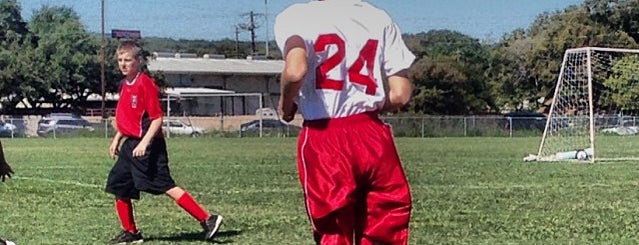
[{"x": 582, "y": 155}]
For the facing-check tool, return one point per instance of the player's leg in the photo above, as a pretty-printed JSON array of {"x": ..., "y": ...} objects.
[
  {"x": 387, "y": 217},
  {"x": 388, "y": 201},
  {"x": 120, "y": 183},
  {"x": 210, "y": 222},
  {"x": 336, "y": 228},
  {"x": 328, "y": 186},
  {"x": 6, "y": 242},
  {"x": 5, "y": 168},
  {"x": 153, "y": 175},
  {"x": 130, "y": 232}
]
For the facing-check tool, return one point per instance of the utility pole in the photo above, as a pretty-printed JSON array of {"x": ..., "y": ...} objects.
[
  {"x": 102, "y": 67},
  {"x": 251, "y": 26},
  {"x": 252, "y": 29},
  {"x": 266, "y": 21},
  {"x": 237, "y": 42}
]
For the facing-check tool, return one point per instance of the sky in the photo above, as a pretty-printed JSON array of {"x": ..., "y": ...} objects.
[{"x": 218, "y": 19}]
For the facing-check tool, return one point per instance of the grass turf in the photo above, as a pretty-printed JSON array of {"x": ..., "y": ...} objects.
[{"x": 465, "y": 191}]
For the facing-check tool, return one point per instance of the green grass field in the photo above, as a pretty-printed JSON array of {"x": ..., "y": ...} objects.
[{"x": 465, "y": 191}]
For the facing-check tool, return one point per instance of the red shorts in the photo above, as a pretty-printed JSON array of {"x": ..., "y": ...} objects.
[{"x": 353, "y": 181}]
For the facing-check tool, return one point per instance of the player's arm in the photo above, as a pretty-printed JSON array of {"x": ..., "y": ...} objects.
[
  {"x": 114, "y": 124},
  {"x": 115, "y": 143},
  {"x": 155, "y": 126},
  {"x": 295, "y": 68},
  {"x": 5, "y": 169},
  {"x": 400, "y": 90}
]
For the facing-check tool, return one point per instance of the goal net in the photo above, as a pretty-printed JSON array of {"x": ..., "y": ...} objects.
[{"x": 595, "y": 107}]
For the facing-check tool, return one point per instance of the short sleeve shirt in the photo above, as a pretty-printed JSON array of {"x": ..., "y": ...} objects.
[
  {"x": 352, "y": 47},
  {"x": 139, "y": 104}
]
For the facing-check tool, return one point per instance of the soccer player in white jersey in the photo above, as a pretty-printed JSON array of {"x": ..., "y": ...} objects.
[{"x": 338, "y": 55}]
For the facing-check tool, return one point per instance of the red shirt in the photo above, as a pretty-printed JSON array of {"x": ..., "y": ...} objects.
[{"x": 138, "y": 105}]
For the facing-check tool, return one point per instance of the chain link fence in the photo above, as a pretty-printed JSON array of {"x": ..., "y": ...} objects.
[
  {"x": 466, "y": 126},
  {"x": 249, "y": 126}
]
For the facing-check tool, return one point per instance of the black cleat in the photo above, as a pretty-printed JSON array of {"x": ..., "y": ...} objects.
[
  {"x": 211, "y": 225},
  {"x": 5, "y": 242},
  {"x": 126, "y": 237}
]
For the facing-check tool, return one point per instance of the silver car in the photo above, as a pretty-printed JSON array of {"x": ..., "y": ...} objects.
[
  {"x": 178, "y": 127},
  {"x": 63, "y": 124}
]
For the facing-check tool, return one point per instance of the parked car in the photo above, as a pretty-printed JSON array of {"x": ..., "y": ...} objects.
[
  {"x": 63, "y": 124},
  {"x": 522, "y": 120},
  {"x": 8, "y": 129},
  {"x": 270, "y": 127},
  {"x": 178, "y": 127},
  {"x": 621, "y": 130}
]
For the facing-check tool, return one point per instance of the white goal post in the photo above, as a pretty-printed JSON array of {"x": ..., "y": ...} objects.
[{"x": 595, "y": 107}]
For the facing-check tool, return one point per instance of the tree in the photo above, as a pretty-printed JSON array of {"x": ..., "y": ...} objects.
[
  {"x": 449, "y": 74},
  {"x": 615, "y": 14},
  {"x": 623, "y": 84},
  {"x": 16, "y": 48},
  {"x": 11, "y": 23},
  {"x": 525, "y": 64},
  {"x": 66, "y": 60},
  {"x": 509, "y": 74}
]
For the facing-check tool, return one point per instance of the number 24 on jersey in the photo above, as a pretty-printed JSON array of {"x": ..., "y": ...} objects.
[{"x": 365, "y": 59}]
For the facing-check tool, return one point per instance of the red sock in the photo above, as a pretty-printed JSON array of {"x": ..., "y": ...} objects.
[
  {"x": 125, "y": 213},
  {"x": 192, "y": 207}
]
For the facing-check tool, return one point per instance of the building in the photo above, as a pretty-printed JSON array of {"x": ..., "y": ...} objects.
[{"x": 218, "y": 86}]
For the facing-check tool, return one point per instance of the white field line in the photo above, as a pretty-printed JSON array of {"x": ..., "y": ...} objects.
[
  {"x": 231, "y": 191},
  {"x": 55, "y": 167},
  {"x": 75, "y": 183},
  {"x": 522, "y": 186},
  {"x": 298, "y": 190}
]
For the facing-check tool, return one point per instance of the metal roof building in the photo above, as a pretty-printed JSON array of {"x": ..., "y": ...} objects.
[
  {"x": 216, "y": 66},
  {"x": 240, "y": 76}
]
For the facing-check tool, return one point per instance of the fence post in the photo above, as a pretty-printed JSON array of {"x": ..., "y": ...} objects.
[
  {"x": 423, "y": 127},
  {"x": 12, "y": 123},
  {"x": 106, "y": 128},
  {"x": 510, "y": 126},
  {"x": 465, "y": 127}
]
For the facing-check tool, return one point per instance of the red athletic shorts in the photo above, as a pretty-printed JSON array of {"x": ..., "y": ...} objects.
[{"x": 353, "y": 181}]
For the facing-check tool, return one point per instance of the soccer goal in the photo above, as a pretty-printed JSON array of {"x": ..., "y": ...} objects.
[{"x": 594, "y": 114}]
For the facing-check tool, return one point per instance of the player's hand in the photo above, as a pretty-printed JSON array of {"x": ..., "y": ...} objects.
[
  {"x": 5, "y": 171},
  {"x": 287, "y": 110},
  {"x": 113, "y": 149},
  {"x": 140, "y": 149}
]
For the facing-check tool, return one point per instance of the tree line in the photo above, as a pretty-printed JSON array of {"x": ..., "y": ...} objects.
[{"x": 51, "y": 59}]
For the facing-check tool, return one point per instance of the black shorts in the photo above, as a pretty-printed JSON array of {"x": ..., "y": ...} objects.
[{"x": 149, "y": 173}]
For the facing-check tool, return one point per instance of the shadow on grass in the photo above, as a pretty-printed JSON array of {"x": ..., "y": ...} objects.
[{"x": 221, "y": 237}]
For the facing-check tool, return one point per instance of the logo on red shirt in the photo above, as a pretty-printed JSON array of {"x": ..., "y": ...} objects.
[{"x": 134, "y": 101}]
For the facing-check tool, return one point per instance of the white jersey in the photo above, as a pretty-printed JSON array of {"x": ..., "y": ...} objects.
[{"x": 352, "y": 47}]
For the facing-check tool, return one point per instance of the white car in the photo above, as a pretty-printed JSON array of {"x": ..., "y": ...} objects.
[
  {"x": 62, "y": 124},
  {"x": 7, "y": 129},
  {"x": 178, "y": 127},
  {"x": 630, "y": 130}
]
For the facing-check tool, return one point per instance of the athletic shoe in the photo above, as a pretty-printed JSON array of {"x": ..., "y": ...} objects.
[
  {"x": 211, "y": 225},
  {"x": 126, "y": 237},
  {"x": 5, "y": 242}
]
